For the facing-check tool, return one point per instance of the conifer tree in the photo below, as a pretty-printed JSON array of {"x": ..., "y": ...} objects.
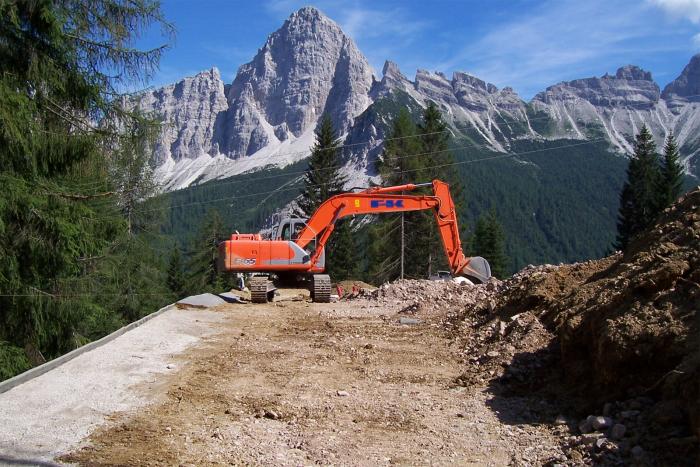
[
  {"x": 397, "y": 165},
  {"x": 489, "y": 242},
  {"x": 322, "y": 180},
  {"x": 639, "y": 200},
  {"x": 342, "y": 256},
  {"x": 203, "y": 273},
  {"x": 438, "y": 162},
  {"x": 63, "y": 66},
  {"x": 176, "y": 274},
  {"x": 671, "y": 180}
]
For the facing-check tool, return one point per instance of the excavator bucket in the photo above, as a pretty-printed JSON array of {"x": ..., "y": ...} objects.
[{"x": 478, "y": 269}]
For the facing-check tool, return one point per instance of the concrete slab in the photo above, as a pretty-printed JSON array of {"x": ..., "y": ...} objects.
[
  {"x": 205, "y": 300},
  {"x": 231, "y": 297},
  {"x": 50, "y": 414}
]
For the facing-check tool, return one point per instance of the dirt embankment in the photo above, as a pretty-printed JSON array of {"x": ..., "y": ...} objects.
[{"x": 624, "y": 334}]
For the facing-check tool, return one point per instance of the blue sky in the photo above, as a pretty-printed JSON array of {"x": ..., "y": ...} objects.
[{"x": 525, "y": 44}]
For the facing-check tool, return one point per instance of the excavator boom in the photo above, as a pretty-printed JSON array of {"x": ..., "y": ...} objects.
[
  {"x": 384, "y": 200},
  {"x": 305, "y": 252}
]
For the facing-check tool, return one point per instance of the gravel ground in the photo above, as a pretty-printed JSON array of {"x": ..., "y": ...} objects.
[
  {"x": 49, "y": 415},
  {"x": 295, "y": 383}
]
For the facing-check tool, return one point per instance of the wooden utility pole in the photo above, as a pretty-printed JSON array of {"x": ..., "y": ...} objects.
[{"x": 403, "y": 243}]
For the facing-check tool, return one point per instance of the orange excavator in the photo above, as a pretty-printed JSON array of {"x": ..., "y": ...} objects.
[{"x": 297, "y": 250}]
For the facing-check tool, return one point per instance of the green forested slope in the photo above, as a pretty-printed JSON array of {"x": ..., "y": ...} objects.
[
  {"x": 556, "y": 205},
  {"x": 244, "y": 201}
]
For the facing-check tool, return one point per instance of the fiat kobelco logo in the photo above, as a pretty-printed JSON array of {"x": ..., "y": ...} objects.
[
  {"x": 386, "y": 203},
  {"x": 244, "y": 261}
]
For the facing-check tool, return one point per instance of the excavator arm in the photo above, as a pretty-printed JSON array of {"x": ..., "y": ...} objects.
[{"x": 385, "y": 200}]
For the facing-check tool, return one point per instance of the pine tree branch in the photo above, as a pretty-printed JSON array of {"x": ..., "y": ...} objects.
[{"x": 80, "y": 196}]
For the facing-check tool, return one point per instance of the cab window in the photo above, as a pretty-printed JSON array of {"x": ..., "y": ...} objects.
[
  {"x": 285, "y": 232},
  {"x": 298, "y": 227}
]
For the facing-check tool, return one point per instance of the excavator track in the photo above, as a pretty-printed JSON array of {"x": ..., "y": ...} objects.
[
  {"x": 321, "y": 288},
  {"x": 260, "y": 287}
]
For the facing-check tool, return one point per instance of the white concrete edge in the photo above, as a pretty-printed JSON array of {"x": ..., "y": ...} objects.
[{"x": 58, "y": 361}]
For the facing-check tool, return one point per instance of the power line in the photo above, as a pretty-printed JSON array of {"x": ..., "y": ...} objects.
[
  {"x": 501, "y": 156},
  {"x": 273, "y": 156}
]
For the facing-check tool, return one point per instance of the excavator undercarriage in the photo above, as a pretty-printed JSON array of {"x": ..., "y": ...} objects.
[{"x": 262, "y": 288}]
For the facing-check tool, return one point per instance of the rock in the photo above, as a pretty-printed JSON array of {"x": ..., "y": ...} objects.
[
  {"x": 607, "y": 409},
  {"x": 685, "y": 85},
  {"x": 667, "y": 413},
  {"x": 271, "y": 414},
  {"x": 190, "y": 109},
  {"x": 405, "y": 320},
  {"x": 590, "y": 438},
  {"x": 462, "y": 281},
  {"x": 637, "y": 452},
  {"x": 343, "y": 393},
  {"x": 601, "y": 423},
  {"x": 560, "y": 420},
  {"x": 170, "y": 366},
  {"x": 586, "y": 425},
  {"x": 493, "y": 353},
  {"x": 618, "y": 431},
  {"x": 600, "y": 443}
]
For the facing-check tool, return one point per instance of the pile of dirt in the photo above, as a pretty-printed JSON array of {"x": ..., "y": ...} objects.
[
  {"x": 626, "y": 329},
  {"x": 415, "y": 296}
]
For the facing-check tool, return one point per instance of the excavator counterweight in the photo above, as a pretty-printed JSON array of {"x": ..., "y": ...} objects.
[{"x": 298, "y": 247}]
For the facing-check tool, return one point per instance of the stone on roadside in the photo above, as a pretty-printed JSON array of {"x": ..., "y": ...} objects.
[
  {"x": 601, "y": 423},
  {"x": 586, "y": 426},
  {"x": 637, "y": 452},
  {"x": 560, "y": 420},
  {"x": 405, "y": 320},
  {"x": 600, "y": 443},
  {"x": 618, "y": 431},
  {"x": 607, "y": 409},
  {"x": 343, "y": 393}
]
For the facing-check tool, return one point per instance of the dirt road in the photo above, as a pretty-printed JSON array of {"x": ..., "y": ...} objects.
[{"x": 295, "y": 383}]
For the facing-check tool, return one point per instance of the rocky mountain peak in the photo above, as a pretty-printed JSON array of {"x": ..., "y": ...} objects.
[
  {"x": 391, "y": 70},
  {"x": 631, "y": 87},
  {"x": 474, "y": 82},
  {"x": 309, "y": 67},
  {"x": 633, "y": 73},
  {"x": 191, "y": 110},
  {"x": 687, "y": 85},
  {"x": 306, "y": 68}
]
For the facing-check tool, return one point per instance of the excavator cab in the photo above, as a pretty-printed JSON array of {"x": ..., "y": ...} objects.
[{"x": 289, "y": 228}]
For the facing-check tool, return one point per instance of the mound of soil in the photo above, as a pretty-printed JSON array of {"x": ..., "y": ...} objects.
[
  {"x": 628, "y": 326},
  {"x": 433, "y": 296}
]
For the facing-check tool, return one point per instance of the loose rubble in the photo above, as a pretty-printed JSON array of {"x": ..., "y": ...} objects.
[{"x": 620, "y": 334}]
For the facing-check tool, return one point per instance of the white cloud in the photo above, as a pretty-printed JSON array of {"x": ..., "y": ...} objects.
[
  {"x": 282, "y": 7},
  {"x": 558, "y": 41},
  {"x": 686, "y": 9},
  {"x": 362, "y": 23}
]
